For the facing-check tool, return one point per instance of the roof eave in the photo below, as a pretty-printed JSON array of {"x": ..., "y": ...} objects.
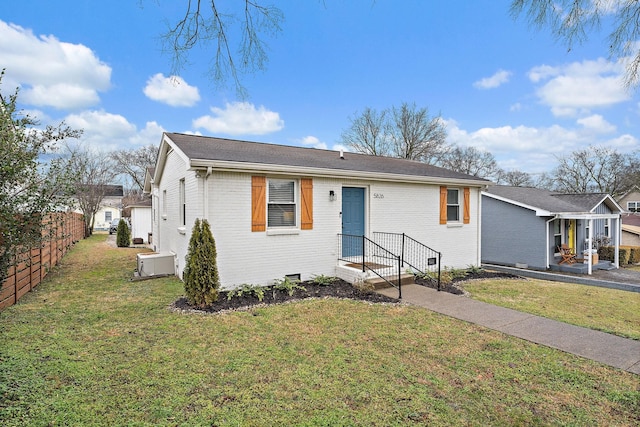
[{"x": 231, "y": 166}]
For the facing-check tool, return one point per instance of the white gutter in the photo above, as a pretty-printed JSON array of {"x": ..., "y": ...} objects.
[{"x": 227, "y": 166}]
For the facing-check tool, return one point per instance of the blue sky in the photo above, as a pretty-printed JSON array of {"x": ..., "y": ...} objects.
[{"x": 499, "y": 84}]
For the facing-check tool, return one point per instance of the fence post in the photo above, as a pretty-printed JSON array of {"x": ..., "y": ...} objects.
[{"x": 399, "y": 278}]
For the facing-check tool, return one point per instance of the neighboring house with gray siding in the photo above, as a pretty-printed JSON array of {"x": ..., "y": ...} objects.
[{"x": 523, "y": 226}]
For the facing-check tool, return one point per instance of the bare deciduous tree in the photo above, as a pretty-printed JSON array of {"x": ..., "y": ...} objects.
[
  {"x": 206, "y": 23},
  {"x": 94, "y": 172},
  {"x": 366, "y": 133},
  {"x": 406, "y": 132},
  {"x": 415, "y": 135},
  {"x": 133, "y": 164},
  {"x": 572, "y": 20},
  {"x": 594, "y": 169},
  {"x": 471, "y": 161},
  {"x": 514, "y": 178}
]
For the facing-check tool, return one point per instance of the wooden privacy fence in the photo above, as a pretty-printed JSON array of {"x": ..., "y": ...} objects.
[{"x": 60, "y": 230}]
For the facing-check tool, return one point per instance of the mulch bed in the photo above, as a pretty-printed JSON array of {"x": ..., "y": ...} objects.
[
  {"x": 338, "y": 289},
  {"x": 455, "y": 286}
]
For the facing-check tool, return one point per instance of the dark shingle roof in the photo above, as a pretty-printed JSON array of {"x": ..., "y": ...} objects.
[
  {"x": 548, "y": 200},
  {"x": 209, "y": 148}
]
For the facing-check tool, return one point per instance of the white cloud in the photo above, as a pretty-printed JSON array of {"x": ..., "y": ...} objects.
[
  {"x": 579, "y": 87},
  {"x": 240, "y": 118},
  {"x": 105, "y": 131},
  {"x": 516, "y": 107},
  {"x": 499, "y": 78},
  {"x": 172, "y": 91},
  {"x": 535, "y": 150},
  {"x": 596, "y": 123},
  {"x": 50, "y": 72},
  {"x": 313, "y": 142}
]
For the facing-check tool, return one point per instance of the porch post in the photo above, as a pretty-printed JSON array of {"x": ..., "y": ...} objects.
[
  {"x": 589, "y": 246},
  {"x": 618, "y": 237}
]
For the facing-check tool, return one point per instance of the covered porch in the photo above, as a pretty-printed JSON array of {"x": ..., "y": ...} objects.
[{"x": 573, "y": 240}]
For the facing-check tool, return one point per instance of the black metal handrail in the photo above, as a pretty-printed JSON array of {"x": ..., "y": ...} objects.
[
  {"x": 414, "y": 254},
  {"x": 370, "y": 256}
]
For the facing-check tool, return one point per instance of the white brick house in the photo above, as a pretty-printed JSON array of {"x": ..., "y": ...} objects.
[{"x": 278, "y": 210}]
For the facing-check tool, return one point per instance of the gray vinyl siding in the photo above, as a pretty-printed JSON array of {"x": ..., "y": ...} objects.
[{"x": 512, "y": 234}]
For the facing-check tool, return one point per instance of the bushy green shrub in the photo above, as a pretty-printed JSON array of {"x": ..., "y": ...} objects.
[
  {"x": 201, "y": 280},
  {"x": 123, "y": 235}
]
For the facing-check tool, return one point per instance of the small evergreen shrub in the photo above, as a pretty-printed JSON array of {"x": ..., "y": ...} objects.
[
  {"x": 123, "y": 235},
  {"x": 201, "y": 280}
]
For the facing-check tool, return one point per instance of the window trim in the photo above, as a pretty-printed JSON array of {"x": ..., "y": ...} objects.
[
  {"x": 182, "y": 205},
  {"x": 295, "y": 203},
  {"x": 456, "y": 205},
  {"x": 635, "y": 208}
]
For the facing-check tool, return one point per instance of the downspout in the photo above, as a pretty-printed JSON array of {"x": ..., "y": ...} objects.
[
  {"x": 205, "y": 213},
  {"x": 547, "y": 236}
]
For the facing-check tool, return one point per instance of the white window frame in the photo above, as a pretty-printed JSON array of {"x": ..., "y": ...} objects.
[
  {"x": 108, "y": 217},
  {"x": 456, "y": 205},
  {"x": 164, "y": 204},
  {"x": 607, "y": 227},
  {"x": 633, "y": 206},
  {"x": 182, "y": 204},
  {"x": 295, "y": 203}
]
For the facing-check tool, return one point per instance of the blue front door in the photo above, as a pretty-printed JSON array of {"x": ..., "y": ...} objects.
[{"x": 352, "y": 220}]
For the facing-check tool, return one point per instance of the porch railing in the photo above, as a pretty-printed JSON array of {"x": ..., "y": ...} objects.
[
  {"x": 414, "y": 254},
  {"x": 370, "y": 256}
]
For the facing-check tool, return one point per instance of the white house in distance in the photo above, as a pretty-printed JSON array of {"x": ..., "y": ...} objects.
[
  {"x": 110, "y": 207},
  {"x": 141, "y": 224},
  {"x": 278, "y": 210}
]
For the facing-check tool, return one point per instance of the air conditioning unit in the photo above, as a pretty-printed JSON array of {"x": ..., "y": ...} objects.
[{"x": 156, "y": 264}]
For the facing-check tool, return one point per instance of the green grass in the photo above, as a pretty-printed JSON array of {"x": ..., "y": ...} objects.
[
  {"x": 90, "y": 347},
  {"x": 609, "y": 310}
]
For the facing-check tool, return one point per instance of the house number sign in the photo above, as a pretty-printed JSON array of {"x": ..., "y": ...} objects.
[{"x": 378, "y": 196}]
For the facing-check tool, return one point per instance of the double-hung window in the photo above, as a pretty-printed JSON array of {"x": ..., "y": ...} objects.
[
  {"x": 453, "y": 205},
  {"x": 633, "y": 206},
  {"x": 107, "y": 216},
  {"x": 281, "y": 205}
]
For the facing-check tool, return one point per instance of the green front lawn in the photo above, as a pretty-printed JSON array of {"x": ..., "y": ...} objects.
[
  {"x": 90, "y": 347},
  {"x": 608, "y": 310}
]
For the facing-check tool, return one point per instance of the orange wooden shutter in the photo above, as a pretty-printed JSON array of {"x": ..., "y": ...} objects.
[
  {"x": 443, "y": 205},
  {"x": 467, "y": 204},
  {"x": 306, "y": 203},
  {"x": 258, "y": 203}
]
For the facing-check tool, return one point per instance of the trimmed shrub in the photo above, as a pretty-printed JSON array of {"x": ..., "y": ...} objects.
[
  {"x": 632, "y": 255},
  {"x": 607, "y": 253},
  {"x": 123, "y": 235},
  {"x": 201, "y": 280}
]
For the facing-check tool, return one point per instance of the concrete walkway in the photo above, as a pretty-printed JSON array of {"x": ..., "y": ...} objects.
[{"x": 605, "y": 348}]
